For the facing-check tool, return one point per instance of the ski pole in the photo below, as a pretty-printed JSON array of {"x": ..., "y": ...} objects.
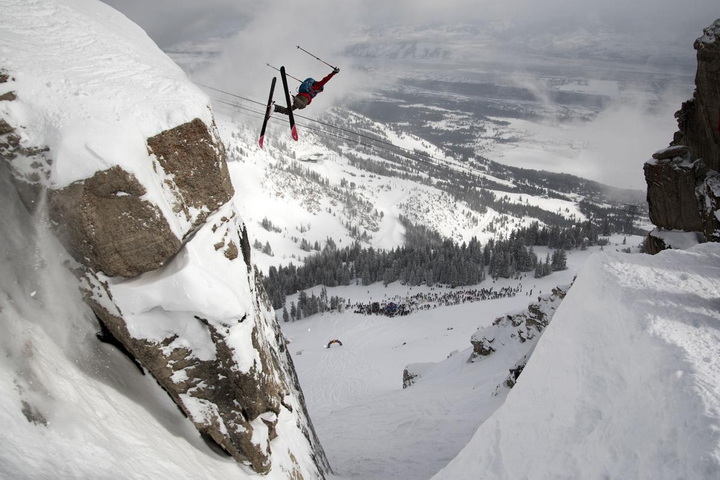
[
  {"x": 316, "y": 58},
  {"x": 275, "y": 68}
]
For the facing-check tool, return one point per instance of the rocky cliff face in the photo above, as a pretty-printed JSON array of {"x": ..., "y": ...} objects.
[
  {"x": 161, "y": 253},
  {"x": 683, "y": 181},
  {"x": 115, "y": 234}
]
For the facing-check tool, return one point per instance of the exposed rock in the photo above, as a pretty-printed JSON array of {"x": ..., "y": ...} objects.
[
  {"x": 711, "y": 207},
  {"x": 27, "y": 183},
  {"x": 245, "y": 246},
  {"x": 33, "y": 415},
  {"x": 196, "y": 164},
  {"x": 515, "y": 372},
  {"x": 103, "y": 221},
  {"x": 672, "y": 193},
  {"x": 482, "y": 347},
  {"x": 108, "y": 227},
  {"x": 5, "y": 127},
  {"x": 238, "y": 409},
  {"x": 654, "y": 244},
  {"x": 521, "y": 327},
  {"x": 682, "y": 180},
  {"x": 161, "y": 254},
  {"x": 408, "y": 378},
  {"x": 699, "y": 118},
  {"x": 676, "y": 151},
  {"x": 105, "y": 224}
]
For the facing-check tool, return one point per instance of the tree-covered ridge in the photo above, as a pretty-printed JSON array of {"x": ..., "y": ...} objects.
[
  {"x": 472, "y": 186},
  {"x": 427, "y": 258}
]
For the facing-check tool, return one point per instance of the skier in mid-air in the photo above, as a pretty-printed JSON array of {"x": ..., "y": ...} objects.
[{"x": 307, "y": 91}]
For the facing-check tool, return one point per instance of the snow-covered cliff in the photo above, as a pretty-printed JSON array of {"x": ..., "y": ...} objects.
[{"x": 104, "y": 134}]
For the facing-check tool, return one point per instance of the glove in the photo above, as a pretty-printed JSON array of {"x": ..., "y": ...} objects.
[{"x": 336, "y": 70}]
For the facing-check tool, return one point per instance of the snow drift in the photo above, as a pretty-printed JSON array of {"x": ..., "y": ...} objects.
[{"x": 623, "y": 384}]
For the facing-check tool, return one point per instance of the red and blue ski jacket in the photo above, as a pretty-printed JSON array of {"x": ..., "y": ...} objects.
[{"x": 316, "y": 88}]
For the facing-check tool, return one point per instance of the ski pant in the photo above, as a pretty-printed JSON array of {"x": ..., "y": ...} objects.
[{"x": 299, "y": 102}]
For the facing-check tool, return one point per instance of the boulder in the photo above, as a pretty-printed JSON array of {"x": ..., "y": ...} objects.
[
  {"x": 105, "y": 224},
  {"x": 195, "y": 162}
]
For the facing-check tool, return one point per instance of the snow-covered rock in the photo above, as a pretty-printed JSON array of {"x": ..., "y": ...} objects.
[
  {"x": 99, "y": 121},
  {"x": 518, "y": 332}
]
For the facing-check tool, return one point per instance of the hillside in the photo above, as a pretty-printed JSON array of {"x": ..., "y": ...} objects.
[
  {"x": 623, "y": 380},
  {"x": 329, "y": 187}
]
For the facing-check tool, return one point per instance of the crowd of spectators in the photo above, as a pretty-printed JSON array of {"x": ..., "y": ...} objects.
[{"x": 399, "y": 305}]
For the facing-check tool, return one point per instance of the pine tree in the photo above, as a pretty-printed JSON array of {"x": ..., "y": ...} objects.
[
  {"x": 559, "y": 260},
  {"x": 303, "y": 304}
]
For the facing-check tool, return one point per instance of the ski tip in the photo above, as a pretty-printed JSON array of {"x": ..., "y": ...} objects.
[
  {"x": 261, "y": 141},
  {"x": 294, "y": 133}
]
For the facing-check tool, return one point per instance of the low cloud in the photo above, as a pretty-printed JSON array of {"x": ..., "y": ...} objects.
[{"x": 249, "y": 35}]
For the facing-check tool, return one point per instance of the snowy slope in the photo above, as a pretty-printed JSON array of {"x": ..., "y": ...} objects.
[
  {"x": 355, "y": 395},
  {"x": 624, "y": 383},
  {"x": 269, "y": 187}
]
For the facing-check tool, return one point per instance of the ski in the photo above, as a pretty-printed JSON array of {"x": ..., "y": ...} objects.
[
  {"x": 268, "y": 111},
  {"x": 293, "y": 130}
]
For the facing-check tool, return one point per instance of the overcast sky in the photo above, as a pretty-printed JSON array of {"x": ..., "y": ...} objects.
[
  {"x": 260, "y": 31},
  {"x": 172, "y": 21}
]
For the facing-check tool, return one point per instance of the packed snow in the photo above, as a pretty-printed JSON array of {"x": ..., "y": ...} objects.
[{"x": 624, "y": 384}]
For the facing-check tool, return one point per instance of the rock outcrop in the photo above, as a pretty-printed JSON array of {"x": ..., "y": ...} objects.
[
  {"x": 523, "y": 329},
  {"x": 160, "y": 251},
  {"x": 195, "y": 161},
  {"x": 105, "y": 224},
  {"x": 519, "y": 327},
  {"x": 683, "y": 181},
  {"x": 115, "y": 235}
]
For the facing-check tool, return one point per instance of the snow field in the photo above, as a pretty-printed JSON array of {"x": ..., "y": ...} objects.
[
  {"x": 624, "y": 382},
  {"x": 372, "y": 428}
]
